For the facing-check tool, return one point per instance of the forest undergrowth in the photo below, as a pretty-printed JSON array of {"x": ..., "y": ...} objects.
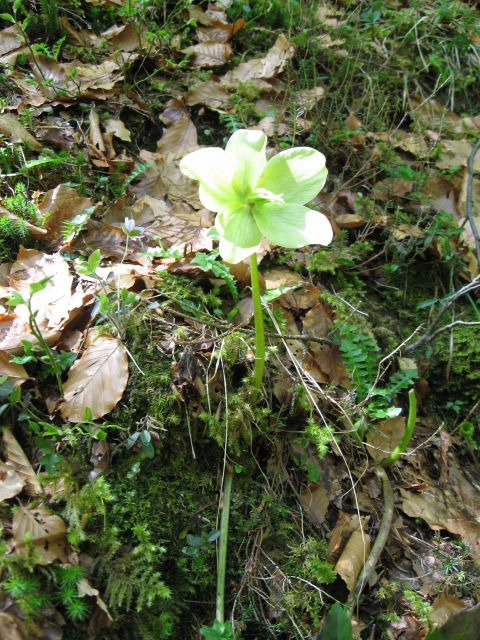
[{"x": 127, "y": 344}]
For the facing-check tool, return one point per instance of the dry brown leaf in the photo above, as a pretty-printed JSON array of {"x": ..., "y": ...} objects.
[
  {"x": 10, "y": 39},
  {"x": 382, "y": 439},
  {"x": 411, "y": 142},
  {"x": 308, "y": 98},
  {"x": 42, "y": 529},
  {"x": 455, "y": 153},
  {"x": 11, "y": 628},
  {"x": 209, "y": 54},
  {"x": 126, "y": 37},
  {"x": 18, "y": 461},
  {"x": 94, "y": 134},
  {"x": 350, "y": 221},
  {"x": 304, "y": 296},
  {"x": 454, "y": 507},
  {"x": 199, "y": 15},
  {"x": 97, "y": 379},
  {"x": 16, "y": 372},
  {"x": 467, "y": 235},
  {"x": 11, "y": 482},
  {"x": 260, "y": 68},
  {"x": 353, "y": 558},
  {"x": 55, "y": 302},
  {"x": 210, "y": 93},
  {"x": 85, "y": 589},
  {"x": 117, "y": 128},
  {"x": 178, "y": 226},
  {"x": 76, "y": 78},
  {"x": 61, "y": 204},
  {"x": 444, "y": 607},
  {"x": 316, "y": 502},
  {"x": 13, "y": 129},
  {"x": 179, "y": 139},
  {"x": 392, "y": 188}
]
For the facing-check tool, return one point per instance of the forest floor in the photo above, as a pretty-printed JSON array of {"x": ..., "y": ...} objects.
[{"x": 127, "y": 344}]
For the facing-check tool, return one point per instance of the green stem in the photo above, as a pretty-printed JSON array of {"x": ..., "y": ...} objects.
[
  {"x": 222, "y": 552},
  {"x": 407, "y": 434},
  {"x": 259, "y": 328}
]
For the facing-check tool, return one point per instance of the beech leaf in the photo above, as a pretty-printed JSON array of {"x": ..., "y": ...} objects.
[
  {"x": 97, "y": 379},
  {"x": 44, "y": 530},
  {"x": 17, "y": 460}
]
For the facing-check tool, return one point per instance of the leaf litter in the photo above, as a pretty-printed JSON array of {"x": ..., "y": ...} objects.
[{"x": 165, "y": 204}]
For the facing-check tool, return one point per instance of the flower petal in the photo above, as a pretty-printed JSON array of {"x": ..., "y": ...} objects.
[
  {"x": 233, "y": 254},
  {"x": 299, "y": 174},
  {"x": 246, "y": 148},
  {"x": 213, "y": 168},
  {"x": 238, "y": 226},
  {"x": 292, "y": 225}
]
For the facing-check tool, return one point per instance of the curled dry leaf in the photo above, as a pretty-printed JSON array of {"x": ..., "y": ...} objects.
[
  {"x": 260, "y": 68},
  {"x": 11, "y": 483},
  {"x": 42, "y": 529},
  {"x": 16, "y": 372},
  {"x": 353, "y": 558},
  {"x": 13, "y": 129},
  {"x": 315, "y": 501},
  {"x": 117, "y": 128},
  {"x": 455, "y": 153},
  {"x": 76, "y": 78},
  {"x": 18, "y": 461},
  {"x": 210, "y": 54},
  {"x": 97, "y": 379}
]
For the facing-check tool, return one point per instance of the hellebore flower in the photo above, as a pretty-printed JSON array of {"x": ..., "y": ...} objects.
[{"x": 255, "y": 198}]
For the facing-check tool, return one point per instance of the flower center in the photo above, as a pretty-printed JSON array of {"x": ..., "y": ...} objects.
[{"x": 260, "y": 196}]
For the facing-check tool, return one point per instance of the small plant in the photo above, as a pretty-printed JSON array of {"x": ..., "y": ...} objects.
[{"x": 255, "y": 198}]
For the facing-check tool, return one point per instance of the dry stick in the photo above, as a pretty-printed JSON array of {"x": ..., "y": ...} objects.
[
  {"x": 432, "y": 329},
  {"x": 388, "y": 500}
]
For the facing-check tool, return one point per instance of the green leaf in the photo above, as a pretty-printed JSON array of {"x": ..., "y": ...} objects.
[
  {"x": 35, "y": 287},
  {"x": 94, "y": 260},
  {"x": 7, "y": 17},
  {"x": 337, "y": 624},
  {"x": 15, "y": 298}
]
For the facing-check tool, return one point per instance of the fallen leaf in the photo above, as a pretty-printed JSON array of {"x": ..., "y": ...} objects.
[
  {"x": 11, "y": 628},
  {"x": 353, "y": 558},
  {"x": 209, "y": 54},
  {"x": 76, "y": 78},
  {"x": 117, "y": 128},
  {"x": 11, "y": 483},
  {"x": 316, "y": 502},
  {"x": 16, "y": 372},
  {"x": 18, "y": 461},
  {"x": 10, "y": 39},
  {"x": 97, "y": 379},
  {"x": 95, "y": 137},
  {"x": 210, "y": 93},
  {"x": 85, "y": 589},
  {"x": 455, "y": 153},
  {"x": 100, "y": 459},
  {"x": 13, "y": 129},
  {"x": 59, "y": 205},
  {"x": 179, "y": 139},
  {"x": 260, "y": 68},
  {"x": 308, "y": 98},
  {"x": 382, "y": 439},
  {"x": 350, "y": 221},
  {"x": 454, "y": 507},
  {"x": 42, "y": 529},
  {"x": 55, "y": 302},
  {"x": 444, "y": 607}
]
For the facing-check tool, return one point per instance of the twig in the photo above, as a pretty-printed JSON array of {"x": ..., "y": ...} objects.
[
  {"x": 468, "y": 206},
  {"x": 432, "y": 329},
  {"x": 382, "y": 536}
]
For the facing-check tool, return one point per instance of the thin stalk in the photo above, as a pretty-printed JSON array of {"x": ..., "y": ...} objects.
[
  {"x": 35, "y": 329},
  {"x": 223, "y": 544},
  {"x": 407, "y": 434},
  {"x": 259, "y": 328}
]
